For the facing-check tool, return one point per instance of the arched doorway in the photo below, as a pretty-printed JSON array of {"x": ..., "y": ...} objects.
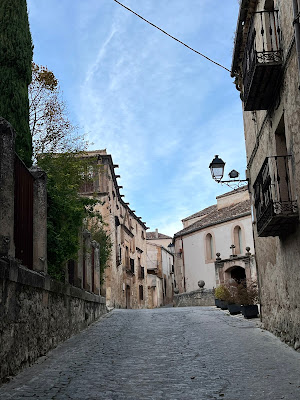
[{"x": 238, "y": 274}]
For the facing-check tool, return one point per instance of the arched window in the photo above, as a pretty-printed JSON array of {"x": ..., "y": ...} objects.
[
  {"x": 238, "y": 239},
  {"x": 209, "y": 242}
]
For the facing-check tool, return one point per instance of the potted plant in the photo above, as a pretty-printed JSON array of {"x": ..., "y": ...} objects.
[
  {"x": 231, "y": 298},
  {"x": 247, "y": 294},
  {"x": 217, "y": 300},
  {"x": 221, "y": 293}
]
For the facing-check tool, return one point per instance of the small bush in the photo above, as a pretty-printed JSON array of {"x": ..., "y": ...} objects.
[
  {"x": 232, "y": 290},
  {"x": 221, "y": 292},
  {"x": 247, "y": 293}
]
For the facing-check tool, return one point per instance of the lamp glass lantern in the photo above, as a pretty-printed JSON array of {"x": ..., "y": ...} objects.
[{"x": 217, "y": 168}]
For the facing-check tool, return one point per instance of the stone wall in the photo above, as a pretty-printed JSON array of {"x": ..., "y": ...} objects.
[
  {"x": 269, "y": 133},
  {"x": 200, "y": 297},
  {"x": 37, "y": 313}
]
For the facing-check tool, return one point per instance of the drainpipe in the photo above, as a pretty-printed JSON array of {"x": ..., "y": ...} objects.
[{"x": 296, "y": 24}]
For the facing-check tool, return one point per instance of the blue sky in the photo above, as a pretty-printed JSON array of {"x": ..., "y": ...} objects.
[{"x": 159, "y": 109}]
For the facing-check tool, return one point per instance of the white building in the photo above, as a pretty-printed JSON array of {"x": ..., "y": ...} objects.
[{"x": 210, "y": 232}]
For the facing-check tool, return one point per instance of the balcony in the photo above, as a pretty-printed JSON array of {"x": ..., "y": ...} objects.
[
  {"x": 275, "y": 204},
  {"x": 130, "y": 265},
  {"x": 262, "y": 64}
]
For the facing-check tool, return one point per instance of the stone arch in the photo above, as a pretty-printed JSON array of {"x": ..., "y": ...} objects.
[{"x": 236, "y": 272}]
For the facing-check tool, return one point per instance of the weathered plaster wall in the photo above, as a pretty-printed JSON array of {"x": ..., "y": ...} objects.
[
  {"x": 168, "y": 277},
  {"x": 228, "y": 199},
  {"x": 129, "y": 232},
  {"x": 37, "y": 313}
]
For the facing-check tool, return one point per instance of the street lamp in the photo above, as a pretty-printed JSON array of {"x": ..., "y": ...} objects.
[
  {"x": 217, "y": 172},
  {"x": 217, "y": 168}
]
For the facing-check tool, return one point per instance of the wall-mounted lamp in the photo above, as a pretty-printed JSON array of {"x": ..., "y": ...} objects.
[{"x": 217, "y": 167}]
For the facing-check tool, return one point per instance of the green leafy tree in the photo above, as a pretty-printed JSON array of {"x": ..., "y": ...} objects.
[
  {"x": 57, "y": 147},
  {"x": 66, "y": 209},
  {"x": 97, "y": 227},
  {"x": 15, "y": 72}
]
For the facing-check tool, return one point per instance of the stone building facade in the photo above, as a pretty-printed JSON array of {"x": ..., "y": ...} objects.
[
  {"x": 266, "y": 68},
  {"x": 125, "y": 278},
  {"x": 212, "y": 245},
  {"x": 160, "y": 270}
]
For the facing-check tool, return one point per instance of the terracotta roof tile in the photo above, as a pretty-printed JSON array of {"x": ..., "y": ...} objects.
[
  {"x": 218, "y": 216},
  {"x": 201, "y": 213},
  {"x": 152, "y": 235}
]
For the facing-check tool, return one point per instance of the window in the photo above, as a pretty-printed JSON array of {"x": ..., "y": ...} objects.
[
  {"x": 141, "y": 272},
  {"x": 132, "y": 265},
  {"x": 141, "y": 292},
  {"x": 127, "y": 260},
  {"x": 238, "y": 240},
  {"x": 209, "y": 243}
]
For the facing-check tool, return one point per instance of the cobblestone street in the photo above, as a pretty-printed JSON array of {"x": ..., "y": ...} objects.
[{"x": 169, "y": 353}]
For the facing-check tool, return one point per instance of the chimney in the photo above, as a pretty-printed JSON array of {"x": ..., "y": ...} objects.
[{"x": 156, "y": 233}]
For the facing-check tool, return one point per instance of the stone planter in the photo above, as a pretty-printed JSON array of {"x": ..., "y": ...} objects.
[
  {"x": 250, "y": 311},
  {"x": 234, "y": 309},
  {"x": 223, "y": 305}
]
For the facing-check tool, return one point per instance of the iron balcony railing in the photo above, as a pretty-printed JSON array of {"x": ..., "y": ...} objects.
[
  {"x": 275, "y": 205},
  {"x": 263, "y": 49}
]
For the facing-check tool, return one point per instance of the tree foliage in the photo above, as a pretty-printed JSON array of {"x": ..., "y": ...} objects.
[
  {"x": 57, "y": 147},
  {"x": 97, "y": 227},
  {"x": 15, "y": 72},
  {"x": 66, "y": 209},
  {"x": 51, "y": 129}
]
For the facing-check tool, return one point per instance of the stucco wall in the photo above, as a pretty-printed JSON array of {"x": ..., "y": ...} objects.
[
  {"x": 37, "y": 313},
  {"x": 197, "y": 266}
]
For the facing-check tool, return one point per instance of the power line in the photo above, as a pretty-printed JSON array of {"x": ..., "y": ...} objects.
[{"x": 172, "y": 37}]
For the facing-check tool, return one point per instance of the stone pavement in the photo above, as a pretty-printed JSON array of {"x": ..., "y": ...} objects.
[{"x": 163, "y": 354}]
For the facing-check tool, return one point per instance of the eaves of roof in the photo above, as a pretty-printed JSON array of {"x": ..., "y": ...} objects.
[{"x": 199, "y": 228}]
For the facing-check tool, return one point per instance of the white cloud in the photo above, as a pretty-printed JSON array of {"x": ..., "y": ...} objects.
[{"x": 162, "y": 111}]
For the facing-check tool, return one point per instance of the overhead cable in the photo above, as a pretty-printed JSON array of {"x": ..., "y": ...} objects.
[{"x": 172, "y": 37}]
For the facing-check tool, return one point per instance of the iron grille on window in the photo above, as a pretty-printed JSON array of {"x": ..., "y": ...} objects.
[{"x": 275, "y": 206}]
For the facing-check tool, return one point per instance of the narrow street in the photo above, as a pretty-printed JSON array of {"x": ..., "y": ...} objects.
[{"x": 169, "y": 353}]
